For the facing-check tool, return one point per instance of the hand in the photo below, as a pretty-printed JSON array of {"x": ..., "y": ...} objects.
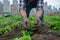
[
  {"x": 26, "y": 23},
  {"x": 37, "y": 20}
]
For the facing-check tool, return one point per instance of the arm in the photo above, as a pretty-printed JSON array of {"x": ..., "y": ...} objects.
[
  {"x": 22, "y": 8},
  {"x": 39, "y": 8}
]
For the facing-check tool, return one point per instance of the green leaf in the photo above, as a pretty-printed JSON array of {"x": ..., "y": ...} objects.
[
  {"x": 15, "y": 39},
  {"x": 25, "y": 38}
]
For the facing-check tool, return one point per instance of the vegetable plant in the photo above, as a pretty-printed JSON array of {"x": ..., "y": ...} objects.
[{"x": 31, "y": 20}]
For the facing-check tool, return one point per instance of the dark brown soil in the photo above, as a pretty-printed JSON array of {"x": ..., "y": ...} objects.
[
  {"x": 43, "y": 34},
  {"x": 12, "y": 34},
  {"x": 45, "y": 37},
  {"x": 40, "y": 34}
]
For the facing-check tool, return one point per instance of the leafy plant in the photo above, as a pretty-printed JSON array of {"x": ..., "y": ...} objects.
[
  {"x": 1, "y": 31},
  {"x": 31, "y": 20},
  {"x": 53, "y": 21},
  {"x": 8, "y": 23},
  {"x": 25, "y": 33},
  {"x": 15, "y": 39},
  {"x": 25, "y": 38},
  {"x": 8, "y": 28},
  {"x": 16, "y": 17}
]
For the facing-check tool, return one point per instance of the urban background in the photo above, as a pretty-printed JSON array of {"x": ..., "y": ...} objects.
[{"x": 13, "y": 8}]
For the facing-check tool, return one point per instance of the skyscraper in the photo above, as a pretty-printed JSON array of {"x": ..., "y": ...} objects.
[
  {"x": 13, "y": 9},
  {"x": 49, "y": 8},
  {"x": 59, "y": 9},
  {"x": 54, "y": 9},
  {"x": 1, "y": 8},
  {"x": 6, "y": 6},
  {"x": 45, "y": 8},
  {"x": 15, "y": 6}
]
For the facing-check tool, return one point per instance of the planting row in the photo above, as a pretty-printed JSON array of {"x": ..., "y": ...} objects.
[
  {"x": 53, "y": 21},
  {"x": 6, "y": 29},
  {"x": 25, "y": 35},
  {"x": 8, "y": 23}
]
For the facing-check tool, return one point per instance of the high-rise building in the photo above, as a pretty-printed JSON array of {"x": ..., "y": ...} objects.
[
  {"x": 1, "y": 8},
  {"x": 15, "y": 2},
  {"x": 15, "y": 8},
  {"x": 54, "y": 9},
  {"x": 59, "y": 9},
  {"x": 6, "y": 6},
  {"x": 45, "y": 7},
  {"x": 49, "y": 8}
]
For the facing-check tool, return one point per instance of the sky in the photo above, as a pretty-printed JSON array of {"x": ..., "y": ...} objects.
[
  {"x": 55, "y": 3},
  {"x": 50, "y": 2}
]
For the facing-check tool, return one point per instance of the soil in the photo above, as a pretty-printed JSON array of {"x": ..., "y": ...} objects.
[
  {"x": 45, "y": 37},
  {"x": 40, "y": 34},
  {"x": 12, "y": 34}
]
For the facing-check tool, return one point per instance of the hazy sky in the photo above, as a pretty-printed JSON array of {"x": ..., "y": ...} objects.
[
  {"x": 55, "y": 3},
  {"x": 50, "y": 2}
]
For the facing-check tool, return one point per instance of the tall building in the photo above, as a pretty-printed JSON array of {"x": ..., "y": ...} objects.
[
  {"x": 59, "y": 9},
  {"x": 1, "y": 8},
  {"x": 54, "y": 9},
  {"x": 49, "y": 8},
  {"x": 45, "y": 8},
  {"x": 15, "y": 7},
  {"x": 15, "y": 2},
  {"x": 6, "y": 6}
]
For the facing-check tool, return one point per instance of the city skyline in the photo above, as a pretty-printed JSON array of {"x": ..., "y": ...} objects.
[
  {"x": 14, "y": 7},
  {"x": 50, "y": 2},
  {"x": 54, "y": 3}
]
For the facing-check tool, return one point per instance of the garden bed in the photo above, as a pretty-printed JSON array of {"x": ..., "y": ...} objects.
[
  {"x": 41, "y": 34},
  {"x": 11, "y": 29}
]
